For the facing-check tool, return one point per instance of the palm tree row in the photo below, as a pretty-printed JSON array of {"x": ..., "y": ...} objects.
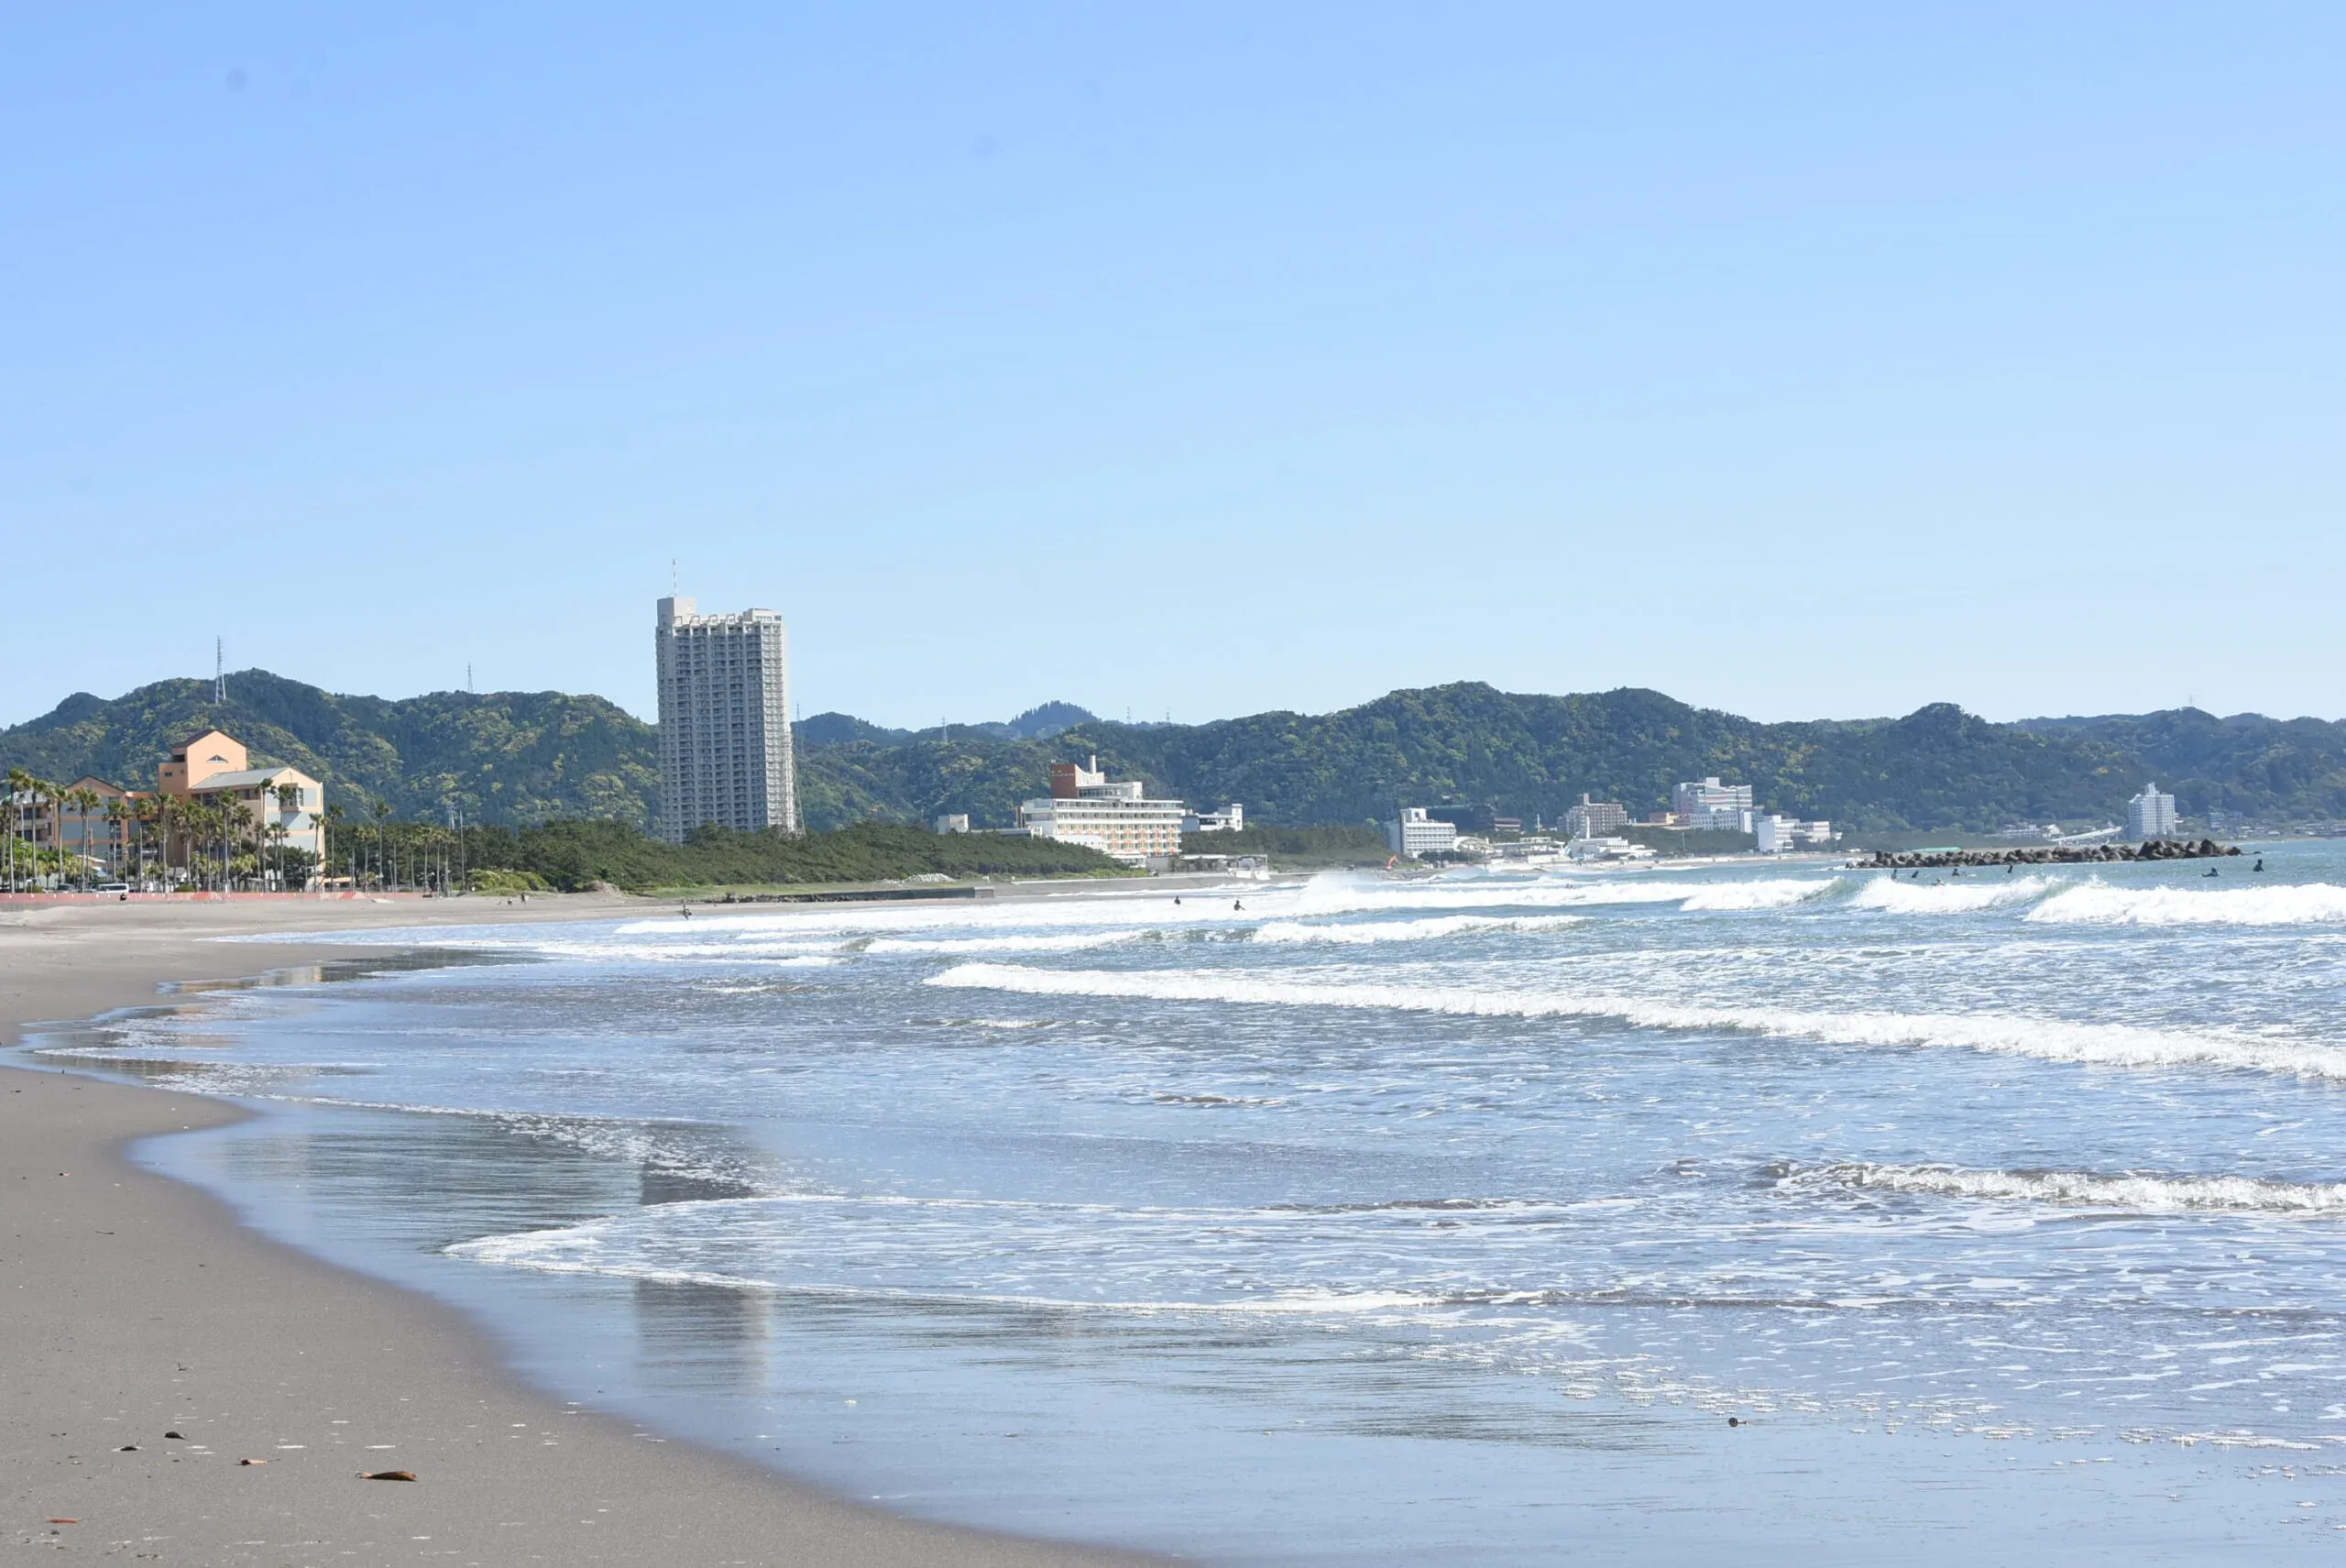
[
  {"x": 224, "y": 844},
  {"x": 379, "y": 851}
]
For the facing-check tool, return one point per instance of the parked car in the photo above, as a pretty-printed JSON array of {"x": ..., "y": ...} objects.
[{"x": 114, "y": 887}]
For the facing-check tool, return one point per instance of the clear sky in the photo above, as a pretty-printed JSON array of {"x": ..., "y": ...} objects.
[{"x": 1797, "y": 360}]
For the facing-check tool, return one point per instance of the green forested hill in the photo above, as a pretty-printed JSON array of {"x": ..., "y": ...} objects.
[
  {"x": 502, "y": 756},
  {"x": 2246, "y": 764},
  {"x": 531, "y": 757}
]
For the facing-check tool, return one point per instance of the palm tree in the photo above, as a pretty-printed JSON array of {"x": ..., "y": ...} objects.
[
  {"x": 240, "y": 825},
  {"x": 56, "y": 795},
  {"x": 21, "y": 784},
  {"x": 289, "y": 799},
  {"x": 382, "y": 809},
  {"x": 83, "y": 800},
  {"x": 117, "y": 830},
  {"x": 150, "y": 816}
]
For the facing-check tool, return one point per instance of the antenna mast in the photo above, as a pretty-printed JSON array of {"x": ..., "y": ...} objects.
[{"x": 219, "y": 672}]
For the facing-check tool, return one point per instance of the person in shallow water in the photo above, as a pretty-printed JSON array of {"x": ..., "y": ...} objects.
[{"x": 2260, "y": 863}]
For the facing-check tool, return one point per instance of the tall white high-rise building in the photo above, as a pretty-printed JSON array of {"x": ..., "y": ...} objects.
[
  {"x": 2150, "y": 814},
  {"x": 725, "y": 743}
]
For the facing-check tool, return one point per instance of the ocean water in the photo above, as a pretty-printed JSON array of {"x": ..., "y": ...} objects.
[{"x": 1373, "y": 1221}]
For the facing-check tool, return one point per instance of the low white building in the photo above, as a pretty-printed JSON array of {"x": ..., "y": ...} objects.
[
  {"x": 1723, "y": 820},
  {"x": 1594, "y": 819},
  {"x": 1118, "y": 819},
  {"x": 1774, "y": 835},
  {"x": 1231, "y": 818},
  {"x": 953, "y": 822},
  {"x": 1414, "y": 835},
  {"x": 1817, "y": 835},
  {"x": 2150, "y": 814},
  {"x": 1698, "y": 795},
  {"x": 1588, "y": 848}
]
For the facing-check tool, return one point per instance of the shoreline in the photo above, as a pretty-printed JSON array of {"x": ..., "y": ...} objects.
[{"x": 138, "y": 1305}]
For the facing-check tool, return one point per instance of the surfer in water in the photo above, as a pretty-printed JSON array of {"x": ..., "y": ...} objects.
[{"x": 2259, "y": 863}]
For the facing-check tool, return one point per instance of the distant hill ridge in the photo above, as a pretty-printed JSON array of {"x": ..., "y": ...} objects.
[{"x": 533, "y": 756}]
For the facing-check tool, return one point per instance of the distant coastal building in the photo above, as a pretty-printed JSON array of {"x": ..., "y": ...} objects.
[
  {"x": 1231, "y": 818},
  {"x": 953, "y": 822},
  {"x": 1692, "y": 799},
  {"x": 726, "y": 755},
  {"x": 1722, "y": 819},
  {"x": 1413, "y": 834},
  {"x": 1118, "y": 819},
  {"x": 96, "y": 821},
  {"x": 214, "y": 769},
  {"x": 2150, "y": 814},
  {"x": 1594, "y": 819}
]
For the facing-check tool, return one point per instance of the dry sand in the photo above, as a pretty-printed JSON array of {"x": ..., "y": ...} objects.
[{"x": 132, "y": 1306}]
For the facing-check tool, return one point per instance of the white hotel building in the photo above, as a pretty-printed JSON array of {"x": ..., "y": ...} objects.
[
  {"x": 1117, "y": 820},
  {"x": 726, "y": 755},
  {"x": 2150, "y": 814}
]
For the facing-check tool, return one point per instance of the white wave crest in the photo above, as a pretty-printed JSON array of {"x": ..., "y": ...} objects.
[
  {"x": 1960, "y": 896},
  {"x": 2139, "y": 1193},
  {"x": 1429, "y": 929},
  {"x": 1486, "y": 892},
  {"x": 2098, "y": 903},
  {"x": 1032, "y": 942},
  {"x": 2049, "y": 1039},
  {"x": 1780, "y": 894}
]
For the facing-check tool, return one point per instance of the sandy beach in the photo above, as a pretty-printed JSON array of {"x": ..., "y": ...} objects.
[{"x": 137, "y": 1308}]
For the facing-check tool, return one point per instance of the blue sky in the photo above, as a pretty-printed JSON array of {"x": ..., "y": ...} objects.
[{"x": 1800, "y": 361}]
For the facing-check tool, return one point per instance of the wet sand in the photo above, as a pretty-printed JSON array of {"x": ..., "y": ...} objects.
[{"x": 134, "y": 1307}]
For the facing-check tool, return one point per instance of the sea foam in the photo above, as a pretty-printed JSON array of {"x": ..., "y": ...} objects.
[
  {"x": 1429, "y": 929},
  {"x": 2144, "y": 1194},
  {"x": 2098, "y": 903},
  {"x": 2049, "y": 1039},
  {"x": 1780, "y": 894}
]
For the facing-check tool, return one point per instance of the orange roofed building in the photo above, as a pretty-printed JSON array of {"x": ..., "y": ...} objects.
[{"x": 214, "y": 768}]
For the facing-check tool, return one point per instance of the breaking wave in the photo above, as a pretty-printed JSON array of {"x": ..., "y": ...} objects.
[
  {"x": 1782, "y": 894},
  {"x": 1033, "y": 942},
  {"x": 2098, "y": 903},
  {"x": 1960, "y": 896},
  {"x": 1430, "y": 929},
  {"x": 1488, "y": 892},
  {"x": 2141, "y": 1194},
  {"x": 2048, "y": 1040}
]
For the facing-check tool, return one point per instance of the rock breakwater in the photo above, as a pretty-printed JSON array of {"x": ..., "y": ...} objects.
[{"x": 2050, "y": 855}]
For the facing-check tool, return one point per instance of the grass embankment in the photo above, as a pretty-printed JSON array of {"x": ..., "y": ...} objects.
[
  {"x": 1297, "y": 848},
  {"x": 1670, "y": 843},
  {"x": 570, "y": 856}
]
